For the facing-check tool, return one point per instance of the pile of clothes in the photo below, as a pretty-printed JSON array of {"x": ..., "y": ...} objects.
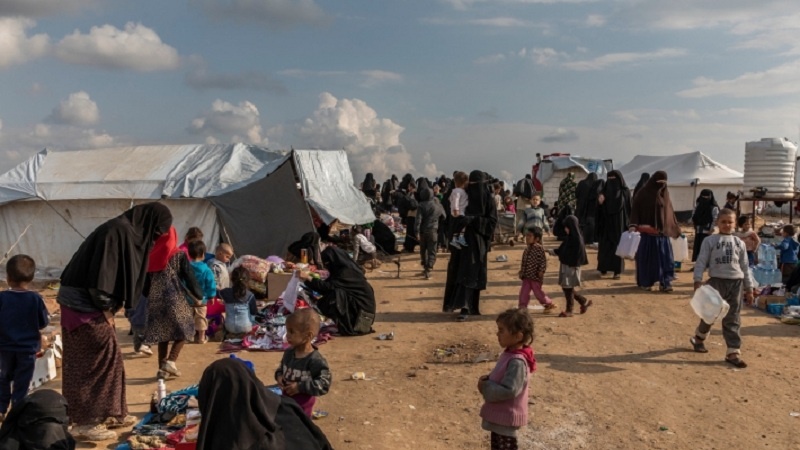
[{"x": 172, "y": 420}]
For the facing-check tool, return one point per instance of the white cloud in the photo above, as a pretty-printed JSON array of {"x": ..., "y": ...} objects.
[
  {"x": 541, "y": 56},
  {"x": 547, "y": 56},
  {"x": 780, "y": 80},
  {"x": 135, "y": 48},
  {"x": 371, "y": 142},
  {"x": 560, "y": 135},
  {"x": 613, "y": 59},
  {"x": 16, "y": 47},
  {"x": 367, "y": 78},
  {"x": 228, "y": 122},
  {"x": 42, "y": 8},
  {"x": 18, "y": 144},
  {"x": 465, "y": 4},
  {"x": 374, "y": 78},
  {"x": 595, "y": 20},
  {"x": 78, "y": 109},
  {"x": 491, "y": 59},
  {"x": 274, "y": 13}
]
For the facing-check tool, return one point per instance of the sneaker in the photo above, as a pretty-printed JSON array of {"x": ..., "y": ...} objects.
[
  {"x": 162, "y": 375},
  {"x": 171, "y": 368},
  {"x": 93, "y": 433},
  {"x": 145, "y": 349},
  {"x": 455, "y": 243},
  {"x": 113, "y": 422},
  {"x": 461, "y": 241},
  {"x": 550, "y": 309}
]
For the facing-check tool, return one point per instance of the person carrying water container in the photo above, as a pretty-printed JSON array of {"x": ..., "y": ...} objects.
[{"x": 725, "y": 257}]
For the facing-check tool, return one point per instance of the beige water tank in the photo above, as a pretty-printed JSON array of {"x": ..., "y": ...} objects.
[{"x": 770, "y": 163}]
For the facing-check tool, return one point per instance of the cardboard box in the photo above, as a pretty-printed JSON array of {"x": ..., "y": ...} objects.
[
  {"x": 276, "y": 284},
  {"x": 763, "y": 300}
]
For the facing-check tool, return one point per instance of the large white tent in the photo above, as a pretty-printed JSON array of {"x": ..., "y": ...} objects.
[
  {"x": 687, "y": 175},
  {"x": 254, "y": 198}
]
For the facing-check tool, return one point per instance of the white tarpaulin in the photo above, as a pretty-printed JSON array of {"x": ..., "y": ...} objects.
[
  {"x": 328, "y": 186},
  {"x": 552, "y": 164},
  {"x": 687, "y": 175}
]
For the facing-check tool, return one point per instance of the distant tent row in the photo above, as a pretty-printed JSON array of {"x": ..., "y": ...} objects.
[{"x": 258, "y": 200}]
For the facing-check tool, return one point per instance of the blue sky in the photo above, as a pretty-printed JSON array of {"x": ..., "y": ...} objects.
[{"x": 421, "y": 86}]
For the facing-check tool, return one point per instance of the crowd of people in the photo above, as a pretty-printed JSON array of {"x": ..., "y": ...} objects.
[{"x": 135, "y": 263}]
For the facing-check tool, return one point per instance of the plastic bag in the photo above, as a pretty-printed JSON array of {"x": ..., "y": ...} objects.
[
  {"x": 708, "y": 304},
  {"x": 289, "y": 295},
  {"x": 628, "y": 244}
]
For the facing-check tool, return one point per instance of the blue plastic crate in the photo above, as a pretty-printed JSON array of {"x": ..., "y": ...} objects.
[
  {"x": 776, "y": 309},
  {"x": 793, "y": 301}
]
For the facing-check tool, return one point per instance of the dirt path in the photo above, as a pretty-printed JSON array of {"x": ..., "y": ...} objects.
[{"x": 620, "y": 377}]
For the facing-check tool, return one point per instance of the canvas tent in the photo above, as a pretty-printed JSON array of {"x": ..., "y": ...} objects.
[
  {"x": 554, "y": 168},
  {"x": 687, "y": 175},
  {"x": 242, "y": 194}
]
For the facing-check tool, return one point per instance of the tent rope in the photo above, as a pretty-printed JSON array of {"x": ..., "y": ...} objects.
[
  {"x": 62, "y": 217},
  {"x": 19, "y": 238}
]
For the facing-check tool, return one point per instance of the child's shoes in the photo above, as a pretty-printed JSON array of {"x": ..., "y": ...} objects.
[
  {"x": 461, "y": 241},
  {"x": 455, "y": 244}
]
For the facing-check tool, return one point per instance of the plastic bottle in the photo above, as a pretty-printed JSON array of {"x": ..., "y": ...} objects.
[{"x": 162, "y": 390}]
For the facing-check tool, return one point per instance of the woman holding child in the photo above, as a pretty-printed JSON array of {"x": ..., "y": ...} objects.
[
  {"x": 652, "y": 215},
  {"x": 467, "y": 270},
  {"x": 106, "y": 274}
]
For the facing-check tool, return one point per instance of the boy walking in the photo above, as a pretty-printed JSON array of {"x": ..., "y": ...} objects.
[
  {"x": 22, "y": 316},
  {"x": 427, "y": 222},
  {"x": 725, "y": 257}
]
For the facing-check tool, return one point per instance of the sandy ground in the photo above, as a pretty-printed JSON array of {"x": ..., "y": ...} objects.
[{"x": 622, "y": 376}]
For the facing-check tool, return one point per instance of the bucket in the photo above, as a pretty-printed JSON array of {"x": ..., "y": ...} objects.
[
  {"x": 776, "y": 309},
  {"x": 708, "y": 304}
]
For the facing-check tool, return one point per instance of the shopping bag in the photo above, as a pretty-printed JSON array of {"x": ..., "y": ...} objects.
[
  {"x": 628, "y": 244},
  {"x": 680, "y": 248},
  {"x": 290, "y": 294}
]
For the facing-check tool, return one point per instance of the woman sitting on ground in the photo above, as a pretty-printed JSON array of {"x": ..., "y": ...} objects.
[
  {"x": 347, "y": 296},
  {"x": 39, "y": 421}
]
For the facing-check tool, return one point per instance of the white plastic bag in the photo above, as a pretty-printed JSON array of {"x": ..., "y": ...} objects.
[
  {"x": 680, "y": 248},
  {"x": 628, "y": 244},
  {"x": 289, "y": 295},
  {"x": 708, "y": 304}
]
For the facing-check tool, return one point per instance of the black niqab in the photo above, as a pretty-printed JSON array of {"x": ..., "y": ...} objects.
[
  {"x": 38, "y": 422},
  {"x": 615, "y": 192},
  {"x": 642, "y": 181},
  {"x": 114, "y": 258},
  {"x": 369, "y": 184},
  {"x": 704, "y": 210},
  {"x": 572, "y": 251}
]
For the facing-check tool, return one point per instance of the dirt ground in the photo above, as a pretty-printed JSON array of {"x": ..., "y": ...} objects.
[{"x": 622, "y": 376}]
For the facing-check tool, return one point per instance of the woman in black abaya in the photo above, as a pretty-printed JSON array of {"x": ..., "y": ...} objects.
[
  {"x": 39, "y": 421},
  {"x": 369, "y": 187},
  {"x": 347, "y": 296},
  {"x": 239, "y": 413},
  {"x": 615, "y": 209},
  {"x": 642, "y": 181},
  {"x": 586, "y": 195},
  {"x": 467, "y": 269}
]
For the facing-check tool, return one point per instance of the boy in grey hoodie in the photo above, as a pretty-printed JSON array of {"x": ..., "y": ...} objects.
[{"x": 427, "y": 223}]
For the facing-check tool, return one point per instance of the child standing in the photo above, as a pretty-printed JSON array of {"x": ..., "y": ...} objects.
[
  {"x": 788, "y": 248},
  {"x": 240, "y": 303},
  {"x": 505, "y": 389},
  {"x": 535, "y": 215},
  {"x": 534, "y": 264},
  {"x": 725, "y": 257},
  {"x": 303, "y": 374},
  {"x": 458, "y": 204},
  {"x": 22, "y": 317},
  {"x": 205, "y": 279},
  {"x": 571, "y": 255},
  {"x": 749, "y": 237}
]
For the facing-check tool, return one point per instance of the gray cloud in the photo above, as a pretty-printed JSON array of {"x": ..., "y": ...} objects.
[
  {"x": 202, "y": 80},
  {"x": 42, "y": 8},
  {"x": 560, "y": 135},
  {"x": 273, "y": 13}
]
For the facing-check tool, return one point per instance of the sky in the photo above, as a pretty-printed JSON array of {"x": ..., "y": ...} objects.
[{"x": 420, "y": 86}]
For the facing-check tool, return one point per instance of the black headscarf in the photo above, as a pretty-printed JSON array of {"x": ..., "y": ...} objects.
[
  {"x": 38, "y": 422},
  {"x": 652, "y": 206},
  {"x": 346, "y": 292},
  {"x": 238, "y": 412},
  {"x": 704, "y": 208},
  {"x": 407, "y": 179},
  {"x": 615, "y": 192},
  {"x": 476, "y": 193},
  {"x": 369, "y": 186},
  {"x": 572, "y": 251},
  {"x": 114, "y": 258},
  {"x": 642, "y": 181},
  {"x": 395, "y": 182}
]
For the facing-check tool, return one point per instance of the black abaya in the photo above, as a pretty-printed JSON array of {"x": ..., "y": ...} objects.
[
  {"x": 467, "y": 271},
  {"x": 586, "y": 194},
  {"x": 38, "y": 421},
  {"x": 612, "y": 221}
]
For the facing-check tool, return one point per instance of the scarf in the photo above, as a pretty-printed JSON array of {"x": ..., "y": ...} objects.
[
  {"x": 566, "y": 192},
  {"x": 704, "y": 209},
  {"x": 614, "y": 192},
  {"x": 114, "y": 257},
  {"x": 165, "y": 246},
  {"x": 652, "y": 206},
  {"x": 527, "y": 353},
  {"x": 642, "y": 181},
  {"x": 369, "y": 183},
  {"x": 477, "y": 194},
  {"x": 572, "y": 251}
]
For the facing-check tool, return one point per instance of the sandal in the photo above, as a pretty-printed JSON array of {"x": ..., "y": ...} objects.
[
  {"x": 565, "y": 314},
  {"x": 698, "y": 344},
  {"x": 735, "y": 361},
  {"x": 461, "y": 318},
  {"x": 549, "y": 309},
  {"x": 586, "y": 306}
]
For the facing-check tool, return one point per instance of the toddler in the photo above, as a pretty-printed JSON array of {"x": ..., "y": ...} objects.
[
  {"x": 205, "y": 279},
  {"x": 22, "y": 317},
  {"x": 505, "y": 389},
  {"x": 788, "y": 248},
  {"x": 219, "y": 265},
  {"x": 725, "y": 257},
  {"x": 749, "y": 237},
  {"x": 458, "y": 204},
  {"x": 535, "y": 215},
  {"x": 240, "y": 303},
  {"x": 303, "y": 374},
  {"x": 534, "y": 264},
  {"x": 571, "y": 255}
]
